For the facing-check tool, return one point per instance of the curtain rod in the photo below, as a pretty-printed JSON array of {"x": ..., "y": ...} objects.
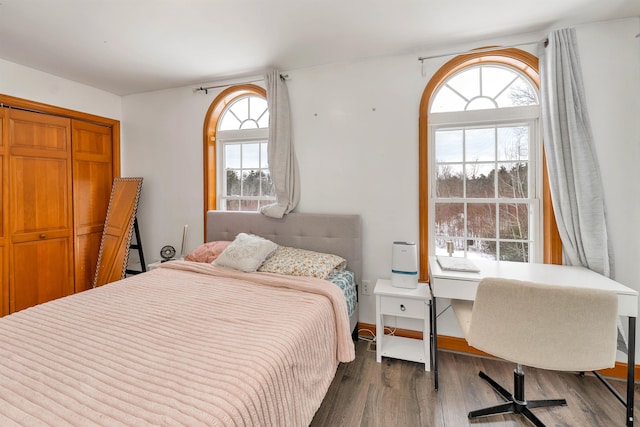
[
  {"x": 487, "y": 49},
  {"x": 283, "y": 77}
]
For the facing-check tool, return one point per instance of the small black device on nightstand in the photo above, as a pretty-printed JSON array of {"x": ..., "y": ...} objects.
[{"x": 167, "y": 253}]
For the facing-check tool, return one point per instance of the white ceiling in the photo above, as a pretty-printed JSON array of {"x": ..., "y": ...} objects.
[{"x": 132, "y": 46}]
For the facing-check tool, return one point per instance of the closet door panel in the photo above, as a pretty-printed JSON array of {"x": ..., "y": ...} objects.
[
  {"x": 4, "y": 283},
  {"x": 40, "y": 201},
  {"x": 2, "y": 195},
  {"x": 86, "y": 257},
  {"x": 4, "y": 296},
  {"x": 4, "y": 280},
  {"x": 92, "y": 141},
  {"x": 92, "y": 181},
  {"x": 40, "y": 209},
  {"x": 92, "y": 185},
  {"x": 44, "y": 267},
  {"x": 39, "y": 132}
]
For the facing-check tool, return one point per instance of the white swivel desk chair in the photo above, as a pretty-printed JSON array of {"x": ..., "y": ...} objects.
[{"x": 560, "y": 328}]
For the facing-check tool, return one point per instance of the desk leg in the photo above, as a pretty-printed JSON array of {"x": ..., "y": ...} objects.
[
  {"x": 434, "y": 341},
  {"x": 631, "y": 363}
]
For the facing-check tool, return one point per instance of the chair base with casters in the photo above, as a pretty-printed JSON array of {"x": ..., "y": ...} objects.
[{"x": 516, "y": 402}]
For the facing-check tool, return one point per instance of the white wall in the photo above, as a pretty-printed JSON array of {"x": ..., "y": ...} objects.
[
  {"x": 355, "y": 129},
  {"x": 27, "y": 83},
  {"x": 610, "y": 56},
  {"x": 162, "y": 142}
]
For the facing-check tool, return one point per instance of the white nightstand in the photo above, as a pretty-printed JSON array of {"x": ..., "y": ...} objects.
[{"x": 402, "y": 302}]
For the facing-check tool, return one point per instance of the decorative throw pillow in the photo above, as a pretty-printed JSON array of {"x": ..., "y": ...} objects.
[
  {"x": 207, "y": 252},
  {"x": 246, "y": 253},
  {"x": 301, "y": 262}
]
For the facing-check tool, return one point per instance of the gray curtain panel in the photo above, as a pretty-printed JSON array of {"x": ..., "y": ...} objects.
[
  {"x": 574, "y": 174},
  {"x": 283, "y": 165}
]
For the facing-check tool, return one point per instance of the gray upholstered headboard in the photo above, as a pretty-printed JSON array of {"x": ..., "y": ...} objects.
[{"x": 337, "y": 234}]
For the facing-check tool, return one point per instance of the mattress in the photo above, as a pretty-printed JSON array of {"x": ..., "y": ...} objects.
[{"x": 185, "y": 344}]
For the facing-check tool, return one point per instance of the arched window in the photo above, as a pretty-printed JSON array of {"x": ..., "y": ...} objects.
[
  {"x": 484, "y": 86},
  {"x": 236, "y": 162},
  {"x": 482, "y": 183}
]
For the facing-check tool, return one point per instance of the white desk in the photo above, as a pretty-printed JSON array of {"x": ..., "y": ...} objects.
[{"x": 463, "y": 285}]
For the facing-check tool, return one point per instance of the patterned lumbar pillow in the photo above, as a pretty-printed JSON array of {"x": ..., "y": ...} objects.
[{"x": 301, "y": 262}]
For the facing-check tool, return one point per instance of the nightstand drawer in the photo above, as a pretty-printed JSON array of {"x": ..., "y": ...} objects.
[{"x": 404, "y": 307}]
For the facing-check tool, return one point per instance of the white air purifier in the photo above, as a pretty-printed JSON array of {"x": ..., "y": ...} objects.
[{"x": 404, "y": 265}]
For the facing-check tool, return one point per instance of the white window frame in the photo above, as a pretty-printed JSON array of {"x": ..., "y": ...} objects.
[
  {"x": 244, "y": 136},
  {"x": 494, "y": 117}
]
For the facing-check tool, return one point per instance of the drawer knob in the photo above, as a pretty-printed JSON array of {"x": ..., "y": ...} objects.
[
  {"x": 402, "y": 307},
  {"x": 43, "y": 236}
]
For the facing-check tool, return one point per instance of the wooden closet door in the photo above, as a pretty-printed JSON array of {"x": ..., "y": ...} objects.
[
  {"x": 4, "y": 277},
  {"x": 40, "y": 214},
  {"x": 92, "y": 179}
]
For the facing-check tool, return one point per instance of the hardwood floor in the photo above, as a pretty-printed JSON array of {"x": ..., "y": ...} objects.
[{"x": 400, "y": 393}]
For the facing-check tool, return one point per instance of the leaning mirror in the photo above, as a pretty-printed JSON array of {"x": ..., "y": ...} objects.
[{"x": 118, "y": 228}]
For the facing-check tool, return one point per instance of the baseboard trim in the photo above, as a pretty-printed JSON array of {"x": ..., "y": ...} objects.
[{"x": 460, "y": 345}]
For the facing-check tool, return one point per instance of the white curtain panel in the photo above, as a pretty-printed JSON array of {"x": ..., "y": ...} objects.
[
  {"x": 574, "y": 174},
  {"x": 283, "y": 165}
]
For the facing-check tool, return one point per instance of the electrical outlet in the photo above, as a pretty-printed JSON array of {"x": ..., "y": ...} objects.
[{"x": 366, "y": 287}]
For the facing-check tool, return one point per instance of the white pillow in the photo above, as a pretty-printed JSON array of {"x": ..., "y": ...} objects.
[{"x": 247, "y": 252}]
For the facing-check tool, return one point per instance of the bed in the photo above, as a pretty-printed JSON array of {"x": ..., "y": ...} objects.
[
  {"x": 187, "y": 343},
  {"x": 339, "y": 234}
]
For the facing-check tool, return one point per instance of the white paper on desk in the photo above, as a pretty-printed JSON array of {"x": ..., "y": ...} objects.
[{"x": 457, "y": 264}]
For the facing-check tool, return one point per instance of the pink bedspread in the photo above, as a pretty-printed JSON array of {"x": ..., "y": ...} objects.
[{"x": 186, "y": 344}]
